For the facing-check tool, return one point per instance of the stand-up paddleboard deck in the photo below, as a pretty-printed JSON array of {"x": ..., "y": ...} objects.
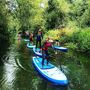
[
  {"x": 37, "y": 52},
  {"x": 60, "y": 48},
  {"x": 30, "y": 46},
  {"x": 50, "y": 72},
  {"x": 26, "y": 40}
]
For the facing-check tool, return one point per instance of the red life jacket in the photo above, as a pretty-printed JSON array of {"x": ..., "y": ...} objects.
[
  {"x": 26, "y": 33},
  {"x": 46, "y": 46},
  {"x": 31, "y": 36}
]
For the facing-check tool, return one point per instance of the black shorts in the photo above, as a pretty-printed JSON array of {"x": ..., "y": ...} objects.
[{"x": 57, "y": 40}]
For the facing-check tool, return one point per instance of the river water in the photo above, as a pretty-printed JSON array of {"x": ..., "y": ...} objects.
[{"x": 18, "y": 73}]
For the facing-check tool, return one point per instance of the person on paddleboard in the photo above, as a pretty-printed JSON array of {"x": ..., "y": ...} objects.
[
  {"x": 31, "y": 38},
  {"x": 38, "y": 39},
  {"x": 47, "y": 43},
  {"x": 27, "y": 34},
  {"x": 57, "y": 40},
  {"x": 19, "y": 35}
]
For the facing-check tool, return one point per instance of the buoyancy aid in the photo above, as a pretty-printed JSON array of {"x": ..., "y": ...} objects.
[
  {"x": 26, "y": 33},
  {"x": 57, "y": 37},
  {"x": 31, "y": 36},
  {"x": 47, "y": 44}
]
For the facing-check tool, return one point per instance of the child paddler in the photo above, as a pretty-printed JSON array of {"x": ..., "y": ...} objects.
[{"x": 57, "y": 40}]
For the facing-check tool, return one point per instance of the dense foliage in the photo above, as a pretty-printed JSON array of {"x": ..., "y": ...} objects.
[
  {"x": 71, "y": 18},
  {"x": 3, "y": 21}
]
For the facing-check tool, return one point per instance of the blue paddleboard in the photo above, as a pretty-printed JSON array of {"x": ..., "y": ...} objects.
[
  {"x": 19, "y": 38},
  {"x": 60, "y": 48},
  {"x": 37, "y": 52},
  {"x": 30, "y": 46},
  {"x": 50, "y": 72},
  {"x": 26, "y": 40}
]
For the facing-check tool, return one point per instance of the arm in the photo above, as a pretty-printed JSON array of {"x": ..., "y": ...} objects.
[
  {"x": 42, "y": 35},
  {"x": 44, "y": 44},
  {"x": 52, "y": 46}
]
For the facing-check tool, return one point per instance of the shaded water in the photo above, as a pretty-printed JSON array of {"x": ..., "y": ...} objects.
[{"x": 17, "y": 71}]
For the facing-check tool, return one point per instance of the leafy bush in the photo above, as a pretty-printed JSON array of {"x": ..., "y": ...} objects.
[
  {"x": 72, "y": 38},
  {"x": 81, "y": 38},
  {"x": 51, "y": 33},
  {"x": 71, "y": 45},
  {"x": 84, "y": 39}
]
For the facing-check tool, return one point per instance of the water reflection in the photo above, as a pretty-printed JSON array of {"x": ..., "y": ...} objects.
[
  {"x": 17, "y": 71},
  {"x": 44, "y": 84},
  {"x": 8, "y": 68}
]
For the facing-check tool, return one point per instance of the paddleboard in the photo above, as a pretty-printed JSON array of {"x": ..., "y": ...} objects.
[
  {"x": 60, "y": 48},
  {"x": 30, "y": 46},
  {"x": 19, "y": 38},
  {"x": 26, "y": 40},
  {"x": 50, "y": 72},
  {"x": 37, "y": 52}
]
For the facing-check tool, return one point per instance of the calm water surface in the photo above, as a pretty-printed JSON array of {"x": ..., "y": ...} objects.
[{"x": 17, "y": 71}]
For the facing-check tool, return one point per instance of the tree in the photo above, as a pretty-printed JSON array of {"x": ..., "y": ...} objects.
[
  {"x": 77, "y": 10},
  {"x": 4, "y": 35},
  {"x": 56, "y": 13}
]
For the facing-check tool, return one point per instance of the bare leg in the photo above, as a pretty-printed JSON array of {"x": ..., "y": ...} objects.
[
  {"x": 32, "y": 42},
  {"x": 56, "y": 45}
]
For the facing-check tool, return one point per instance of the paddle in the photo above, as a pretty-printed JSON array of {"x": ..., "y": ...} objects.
[{"x": 60, "y": 66}]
